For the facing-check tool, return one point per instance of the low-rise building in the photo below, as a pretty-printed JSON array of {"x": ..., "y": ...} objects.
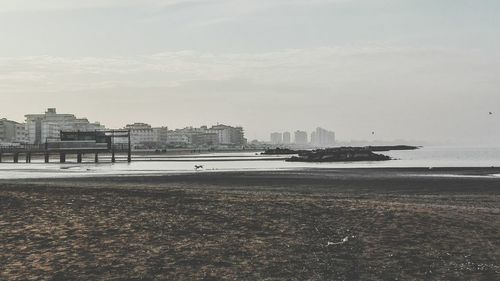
[
  {"x": 205, "y": 139},
  {"x": 178, "y": 137},
  {"x": 12, "y": 132},
  {"x": 185, "y": 135}
]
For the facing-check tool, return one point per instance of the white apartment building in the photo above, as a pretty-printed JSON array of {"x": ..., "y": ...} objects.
[
  {"x": 287, "y": 138},
  {"x": 229, "y": 135},
  {"x": 300, "y": 137},
  {"x": 45, "y": 127},
  {"x": 160, "y": 135},
  {"x": 322, "y": 137},
  {"x": 141, "y": 133},
  {"x": 276, "y": 138},
  {"x": 178, "y": 137},
  {"x": 184, "y": 136}
]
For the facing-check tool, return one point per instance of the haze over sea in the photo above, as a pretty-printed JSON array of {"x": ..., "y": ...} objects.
[{"x": 427, "y": 157}]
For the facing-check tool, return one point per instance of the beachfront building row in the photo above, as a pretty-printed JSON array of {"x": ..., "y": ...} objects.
[
  {"x": 146, "y": 136},
  {"x": 222, "y": 135},
  {"x": 40, "y": 128},
  {"x": 46, "y": 127}
]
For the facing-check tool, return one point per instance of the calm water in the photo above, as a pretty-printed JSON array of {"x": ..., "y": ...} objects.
[{"x": 157, "y": 164}]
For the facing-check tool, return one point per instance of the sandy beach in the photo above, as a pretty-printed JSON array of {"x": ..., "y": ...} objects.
[{"x": 328, "y": 224}]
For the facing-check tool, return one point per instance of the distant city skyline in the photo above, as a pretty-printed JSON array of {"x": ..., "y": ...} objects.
[
  {"x": 425, "y": 70},
  {"x": 320, "y": 137}
]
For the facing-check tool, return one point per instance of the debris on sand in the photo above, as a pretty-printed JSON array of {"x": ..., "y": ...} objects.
[{"x": 339, "y": 243}]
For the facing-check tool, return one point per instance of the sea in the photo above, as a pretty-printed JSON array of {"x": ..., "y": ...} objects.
[{"x": 426, "y": 157}]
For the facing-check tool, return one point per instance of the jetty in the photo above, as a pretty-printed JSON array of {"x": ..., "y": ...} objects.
[
  {"x": 376, "y": 148},
  {"x": 339, "y": 154}
]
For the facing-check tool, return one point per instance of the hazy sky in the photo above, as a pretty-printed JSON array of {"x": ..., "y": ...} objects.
[{"x": 407, "y": 69}]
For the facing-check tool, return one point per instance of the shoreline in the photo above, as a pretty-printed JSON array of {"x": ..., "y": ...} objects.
[{"x": 480, "y": 172}]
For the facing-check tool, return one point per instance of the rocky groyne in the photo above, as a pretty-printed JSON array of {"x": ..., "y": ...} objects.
[{"x": 340, "y": 154}]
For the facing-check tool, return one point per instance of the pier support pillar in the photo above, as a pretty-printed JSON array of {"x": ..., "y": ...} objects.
[
  {"x": 113, "y": 160},
  {"x": 0, "y": 157},
  {"x": 129, "y": 150},
  {"x": 79, "y": 158},
  {"x": 96, "y": 159},
  {"x": 62, "y": 157},
  {"x": 47, "y": 158},
  {"x": 16, "y": 157}
]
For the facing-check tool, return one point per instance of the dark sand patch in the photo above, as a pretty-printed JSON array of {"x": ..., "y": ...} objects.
[{"x": 252, "y": 226}]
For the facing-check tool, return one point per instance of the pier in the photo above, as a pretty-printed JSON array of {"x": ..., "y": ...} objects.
[{"x": 73, "y": 143}]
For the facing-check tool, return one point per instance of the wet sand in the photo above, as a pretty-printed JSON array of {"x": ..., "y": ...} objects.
[{"x": 339, "y": 224}]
